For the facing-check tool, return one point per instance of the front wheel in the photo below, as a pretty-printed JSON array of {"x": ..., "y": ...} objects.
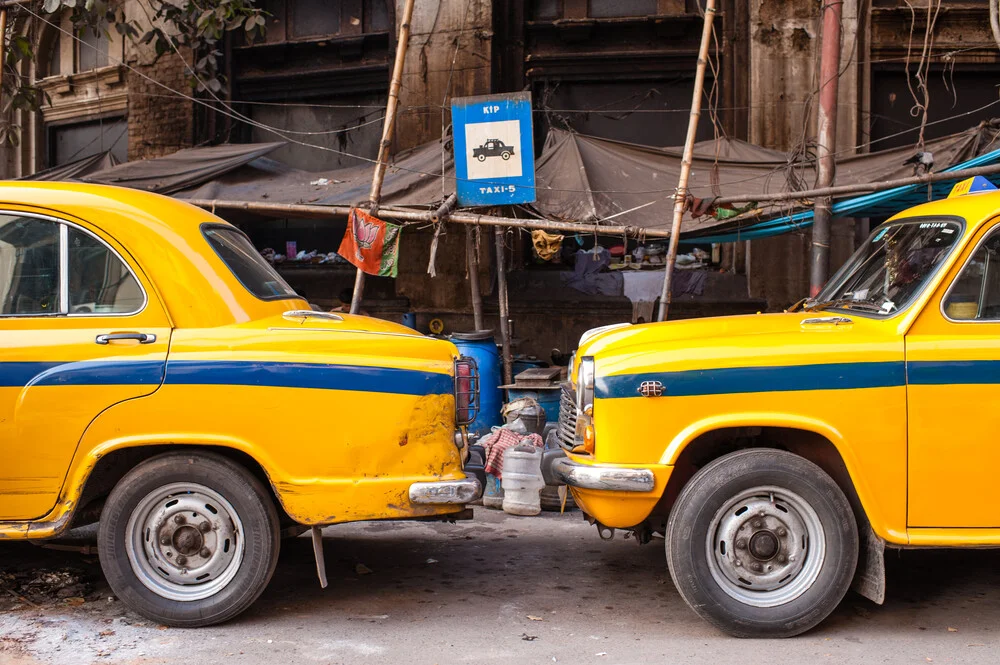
[
  {"x": 481, "y": 158},
  {"x": 762, "y": 543},
  {"x": 188, "y": 539},
  {"x": 505, "y": 155}
]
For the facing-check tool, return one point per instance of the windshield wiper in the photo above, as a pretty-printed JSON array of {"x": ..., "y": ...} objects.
[{"x": 847, "y": 303}]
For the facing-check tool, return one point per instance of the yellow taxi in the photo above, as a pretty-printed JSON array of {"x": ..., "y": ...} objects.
[
  {"x": 158, "y": 376},
  {"x": 780, "y": 454}
]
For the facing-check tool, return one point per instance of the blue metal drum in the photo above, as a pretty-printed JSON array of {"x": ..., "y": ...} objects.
[{"x": 481, "y": 346}]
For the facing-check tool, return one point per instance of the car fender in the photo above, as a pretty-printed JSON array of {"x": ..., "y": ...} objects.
[{"x": 697, "y": 428}]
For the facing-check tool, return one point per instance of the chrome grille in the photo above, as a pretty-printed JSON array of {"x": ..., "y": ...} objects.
[{"x": 567, "y": 417}]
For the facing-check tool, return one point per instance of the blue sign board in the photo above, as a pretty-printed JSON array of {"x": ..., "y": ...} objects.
[{"x": 494, "y": 152}]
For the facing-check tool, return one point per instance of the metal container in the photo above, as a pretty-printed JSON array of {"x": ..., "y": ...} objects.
[{"x": 522, "y": 480}]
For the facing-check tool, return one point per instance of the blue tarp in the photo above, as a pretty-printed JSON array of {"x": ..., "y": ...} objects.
[{"x": 876, "y": 204}]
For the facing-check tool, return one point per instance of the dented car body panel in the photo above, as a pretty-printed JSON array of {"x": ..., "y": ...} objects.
[{"x": 342, "y": 413}]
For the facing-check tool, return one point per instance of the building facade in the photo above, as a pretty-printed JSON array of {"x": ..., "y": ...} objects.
[{"x": 617, "y": 69}]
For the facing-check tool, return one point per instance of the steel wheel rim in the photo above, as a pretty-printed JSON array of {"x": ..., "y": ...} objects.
[
  {"x": 766, "y": 546},
  {"x": 184, "y": 542}
]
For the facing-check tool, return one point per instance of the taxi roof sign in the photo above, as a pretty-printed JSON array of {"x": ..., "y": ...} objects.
[{"x": 971, "y": 186}]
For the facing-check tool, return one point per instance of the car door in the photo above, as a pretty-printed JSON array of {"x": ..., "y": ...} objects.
[
  {"x": 80, "y": 330},
  {"x": 953, "y": 389}
]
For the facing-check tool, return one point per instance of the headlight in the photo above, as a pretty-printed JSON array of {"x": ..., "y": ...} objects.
[{"x": 585, "y": 385}]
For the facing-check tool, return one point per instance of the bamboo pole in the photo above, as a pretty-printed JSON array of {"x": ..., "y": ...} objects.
[
  {"x": 681, "y": 195},
  {"x": 387, "y": 128},
  {"x": 472, "y": 265},
  {"x": 410, "y": 215},
  {"x": 502, "y": 303},
  {"x": 3, "y": 45}
]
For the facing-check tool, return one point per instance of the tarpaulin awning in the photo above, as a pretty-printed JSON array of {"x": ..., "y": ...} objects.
[
  {"x": 413, "y": 179},
  {"x": 876, "y": 204},
  {"x": 592, "y": 179},
  {"x": 184, "y": 168},
  {"x": 76, "y": 169},
  {"x": 580, "y": 179}
]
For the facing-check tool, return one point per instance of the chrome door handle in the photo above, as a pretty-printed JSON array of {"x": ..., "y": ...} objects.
[{"x": 142, "y": 338}]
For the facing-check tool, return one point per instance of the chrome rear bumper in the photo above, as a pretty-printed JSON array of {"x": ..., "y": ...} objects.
[
  {"x": 562, "y": 470},
  {"x": 446, "y": 491}
]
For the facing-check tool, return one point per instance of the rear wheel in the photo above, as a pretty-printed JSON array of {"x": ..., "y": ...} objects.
[
  {"x": 188, "y": 539},
  {"x": 762, "y": 543}
]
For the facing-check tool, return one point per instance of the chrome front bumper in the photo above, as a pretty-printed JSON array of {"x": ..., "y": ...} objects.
[
  {"x": 446, "y": 491},
  {"x": 560, "y": 469}
]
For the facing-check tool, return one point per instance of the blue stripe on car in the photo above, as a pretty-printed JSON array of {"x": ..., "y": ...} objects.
[
  {"x": 731, "y": 380},
  {"x": 933, "y": 372},
  {"x": 225, "y": 372},
  {"x": 308, "y": 375}
]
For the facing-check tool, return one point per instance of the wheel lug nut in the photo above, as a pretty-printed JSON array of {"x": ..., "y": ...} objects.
[
  {"x": 757, "y": 524},
  {"x": 756, "y": 567},
  {"x": 179, "y": 519},
  {"x": 204, "y": 553},
  {"x": 782, "y": 531},
  {"x": 181, "y": 560},
  {"x": 741, "y": 544},
  {"x": 165, "y": 540},
  {"x": 738, "y": 563},
  {"x": 204, "y": 527},
  {"x": 782, "y": 558}
]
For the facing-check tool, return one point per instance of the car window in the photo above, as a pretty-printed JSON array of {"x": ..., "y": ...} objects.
[
  {"x": 891, "y": 268},
  {"x": 29, "y": 266},
  {"x": 246, "y": 263},
  {"x": 975, "y": 293},
  {"x": 99, "y": 282},
  {"x": 49, "y": 267}
]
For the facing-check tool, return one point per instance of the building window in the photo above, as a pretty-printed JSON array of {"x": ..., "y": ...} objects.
[
  {"x": 616, "y": 8},
  {"x": 72, "y": 142},
  {"x": 91, "y": 51},
  {"x": 298, "y": 20}
]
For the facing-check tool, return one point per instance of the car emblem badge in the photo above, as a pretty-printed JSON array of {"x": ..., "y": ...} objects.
[{"x": 651, "y": 389}]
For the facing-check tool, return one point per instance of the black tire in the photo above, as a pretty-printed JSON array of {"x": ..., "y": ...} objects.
[
  {"x": 505, "y": 155},
  {"x": 481, "y": 158},
  {"x": 704, "y": 499},
  {"x": 247, "y": 497}
]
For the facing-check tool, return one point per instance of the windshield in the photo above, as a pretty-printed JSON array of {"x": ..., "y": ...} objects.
[
  {"x": 891, "y": 268},
  {"x": 249, "y": 267}
]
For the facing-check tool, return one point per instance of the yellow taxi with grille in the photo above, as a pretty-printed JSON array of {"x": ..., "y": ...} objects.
[
  {"x": 780, "y": 454},
  {"x": 158, "y": 376}
]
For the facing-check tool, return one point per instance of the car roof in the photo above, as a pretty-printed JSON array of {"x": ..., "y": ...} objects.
[
  {"x": 976, "y": 209},
  {"x": 164, "y": 238}
]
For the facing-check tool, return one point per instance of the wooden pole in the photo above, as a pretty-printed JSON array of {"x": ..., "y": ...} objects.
[
  {"x": 681, "y": 195},
  {"x": 826, "y": 163},
  {"x": 472, "y": 265},
  {"x": 3, "y": 45},
  {"x": 387, "y": 128},
  {"x": 504, "y": 312}
]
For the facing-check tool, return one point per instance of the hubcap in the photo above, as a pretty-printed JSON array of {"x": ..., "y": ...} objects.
[
  {"x": 184, "y": 541},
  {"x": 766, "y": 546}
]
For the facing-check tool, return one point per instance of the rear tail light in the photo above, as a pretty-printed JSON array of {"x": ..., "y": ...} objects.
[{"x": 466, "y": 390}]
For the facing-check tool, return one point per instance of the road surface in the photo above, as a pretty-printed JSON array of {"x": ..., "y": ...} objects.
[{"x": 500, "y": 589}]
